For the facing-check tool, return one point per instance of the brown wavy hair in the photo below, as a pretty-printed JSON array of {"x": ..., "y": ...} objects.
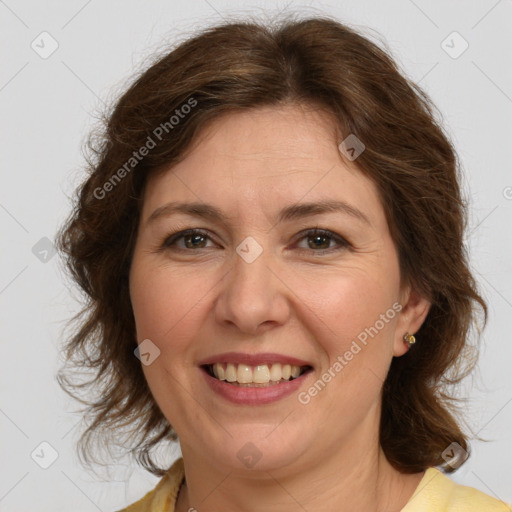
[{"x": 245, "y": 65}]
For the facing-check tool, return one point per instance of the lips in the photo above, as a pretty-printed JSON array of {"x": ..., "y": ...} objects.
[
  {"x": 254, "y": 378},
  {"x": 253, "y": 359}
]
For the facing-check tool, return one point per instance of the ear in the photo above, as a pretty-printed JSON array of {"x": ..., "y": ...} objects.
[{"x": 415, "y": 308}]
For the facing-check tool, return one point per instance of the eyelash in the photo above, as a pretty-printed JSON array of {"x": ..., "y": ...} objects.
[{"x": 168, "y": 243}]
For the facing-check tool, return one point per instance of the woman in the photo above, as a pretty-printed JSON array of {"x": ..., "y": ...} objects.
[{"x": 271, "y": 241}]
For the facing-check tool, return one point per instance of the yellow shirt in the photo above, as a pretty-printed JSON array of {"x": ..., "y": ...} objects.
[{"x": 435, "y": 493}]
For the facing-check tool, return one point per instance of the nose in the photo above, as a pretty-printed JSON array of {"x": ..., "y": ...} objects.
[{"x": 253, "y": 297}]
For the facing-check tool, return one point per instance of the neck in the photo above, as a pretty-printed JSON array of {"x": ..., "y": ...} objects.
[{"x": 356, "y": 478}]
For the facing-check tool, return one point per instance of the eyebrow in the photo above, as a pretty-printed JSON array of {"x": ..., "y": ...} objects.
[{"x": 288, "y": 213}]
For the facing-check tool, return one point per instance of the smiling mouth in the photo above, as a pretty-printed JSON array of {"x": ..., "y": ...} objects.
[{"x": 261, "y": 375}]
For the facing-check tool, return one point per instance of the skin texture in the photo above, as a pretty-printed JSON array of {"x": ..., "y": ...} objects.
[{"x": 293, "y": 299}]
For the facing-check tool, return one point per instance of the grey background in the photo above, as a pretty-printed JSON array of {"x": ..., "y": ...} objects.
[{"x": 48, "y": 107}]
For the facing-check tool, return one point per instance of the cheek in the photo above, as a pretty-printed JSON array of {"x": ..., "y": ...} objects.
[
  {"x": 350, "y": 302},
  {"x": 164, "y": 300},
  {"x": 167, "y": 304},
  {"x": 358, "y": 311}
]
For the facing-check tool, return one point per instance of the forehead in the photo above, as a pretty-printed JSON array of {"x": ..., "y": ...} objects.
[
  {"x": 264, "y": 158},
  {"x": 287, "y": 138}
]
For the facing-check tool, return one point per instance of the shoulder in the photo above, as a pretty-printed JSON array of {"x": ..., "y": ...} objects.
[
  {"x": 436, "y": 492},
  {"x": 163, "y": 497}
]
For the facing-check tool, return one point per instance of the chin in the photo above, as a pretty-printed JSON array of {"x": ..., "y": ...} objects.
[{"x": 259, "y": 447}]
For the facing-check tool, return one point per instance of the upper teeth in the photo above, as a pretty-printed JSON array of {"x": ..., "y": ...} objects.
[{"x": 260, "y": 374}]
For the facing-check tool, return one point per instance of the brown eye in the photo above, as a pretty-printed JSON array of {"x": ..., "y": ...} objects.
[
  {"x": 192, "y": 238},
  {"x": 319, "y": 240},
  {"x": 194, "y": 241}
]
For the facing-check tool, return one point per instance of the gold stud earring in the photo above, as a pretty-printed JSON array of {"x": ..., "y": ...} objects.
[{"x": 409, "y": 339}]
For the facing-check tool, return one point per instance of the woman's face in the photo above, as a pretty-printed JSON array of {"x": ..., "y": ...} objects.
[{"x": 254, "y": 289}]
